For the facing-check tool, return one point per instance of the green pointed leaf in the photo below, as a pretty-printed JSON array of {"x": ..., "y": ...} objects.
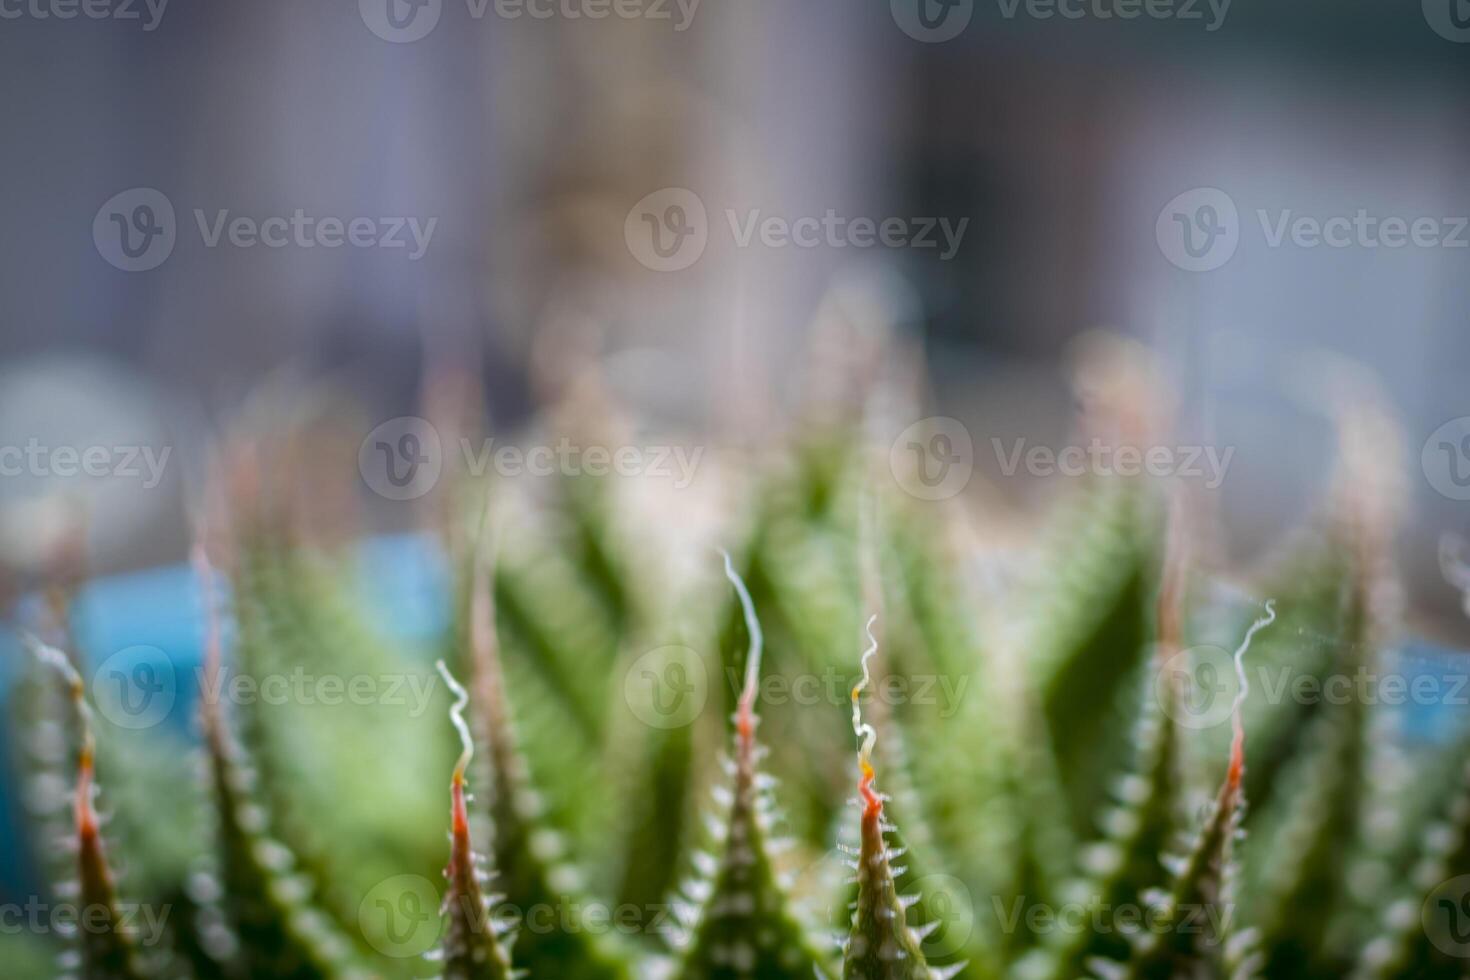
[
  {"x": 316, "y": 745},
  {"x": 1088, "y": 631},
  {"x": 1185, "y": 931},
  {"x": 739, "y": 918},
  {"x": 532, "y": 860},
  {"x": 881, "y": 945},
  {"x": 1293, "y": 903},
  {"x": 1423, "y": 934},
  {"x": 1187, "y": 936},
  {"x": 472, "y": 948},
  {"x": 106, "y": 947},
  {"x": 957, "y": 941},
  {"x": 265, "y": 896},
  {"x": 1125, "y": 864},
  {"x": 657, "y": 815}
]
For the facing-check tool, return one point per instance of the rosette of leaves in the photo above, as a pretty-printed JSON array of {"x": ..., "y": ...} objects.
[{"x": 1057, "y": 738}]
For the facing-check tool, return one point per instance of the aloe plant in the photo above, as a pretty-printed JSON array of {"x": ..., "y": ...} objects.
[{"x": 1017, "y": 759}]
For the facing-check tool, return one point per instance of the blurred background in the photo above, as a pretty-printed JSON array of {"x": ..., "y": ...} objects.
[
  {"x": 692, "y": 208},
  {"x": 522, "y": 139}
]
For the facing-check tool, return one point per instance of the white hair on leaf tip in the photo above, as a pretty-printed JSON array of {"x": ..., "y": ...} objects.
[
  {"x": 1237, "y": 726},
  {"x": 1240, "y": 651},
  {"x": 456, "y": 716},
  {"x": 860, "y": 728},
  {"x": 753, "y": 627}
]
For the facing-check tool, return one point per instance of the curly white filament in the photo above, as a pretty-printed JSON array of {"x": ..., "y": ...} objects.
[
  {"x": 456, "y": 715},
  {"x": 1245, "y": 687},
  {"x": 861, "y": 728},
  {"x": 753, "y": 627}
]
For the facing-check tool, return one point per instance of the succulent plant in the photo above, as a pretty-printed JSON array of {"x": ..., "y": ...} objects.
[{"x": 1038, "y": 790}]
